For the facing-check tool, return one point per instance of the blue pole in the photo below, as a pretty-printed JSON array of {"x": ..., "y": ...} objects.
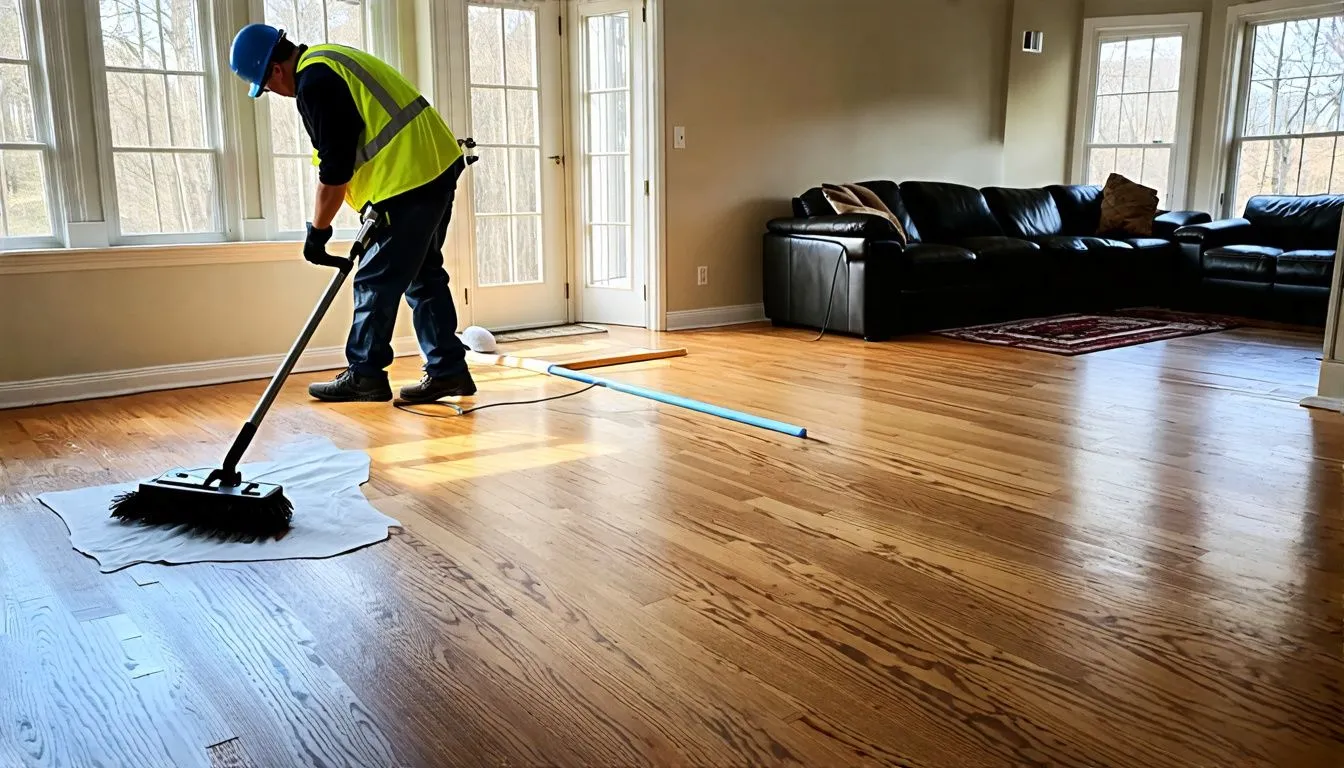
[{"x": 694, "y": 405}]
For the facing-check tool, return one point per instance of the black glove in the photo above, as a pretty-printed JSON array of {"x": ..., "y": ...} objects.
[{"x": 315, "y": 246}]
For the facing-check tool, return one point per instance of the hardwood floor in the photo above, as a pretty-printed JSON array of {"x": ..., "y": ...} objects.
[{"x": 981, "y": 557}]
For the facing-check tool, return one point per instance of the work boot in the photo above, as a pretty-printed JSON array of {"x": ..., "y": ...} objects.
[
  {"x": 430, "y": 388},
  {"x": 353, "y": 387}
]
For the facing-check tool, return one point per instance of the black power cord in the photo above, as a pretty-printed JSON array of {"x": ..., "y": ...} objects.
[
  {"x": 460, "y": 411},
  {"x": 843, "y": 258}
]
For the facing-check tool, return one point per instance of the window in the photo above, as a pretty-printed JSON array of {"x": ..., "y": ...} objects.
[
  {"x": 504, "y": 87},
  {"x": 607, "y": 150},
  {"x": 163, "y": 160},
  {"x": 25, "y": 195},
  {"x": 293, "y": 175},
  {"x": 1136, "y": 103},
  {"x": 1287, "y": 131}
]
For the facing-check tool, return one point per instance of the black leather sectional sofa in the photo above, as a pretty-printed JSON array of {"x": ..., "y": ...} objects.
[
  {"x": 973, "y": 255},
  {"x": 1277, "y": 261},
  {"x": 980, "y": 255}
]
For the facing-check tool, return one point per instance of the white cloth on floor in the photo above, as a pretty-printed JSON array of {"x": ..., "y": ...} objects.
[{"x": 331, "y": 515}]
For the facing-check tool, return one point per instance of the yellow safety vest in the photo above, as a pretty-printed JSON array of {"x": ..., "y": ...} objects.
[{"x": 405, "y": 142}]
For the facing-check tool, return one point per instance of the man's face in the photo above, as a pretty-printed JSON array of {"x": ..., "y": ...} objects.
[{"x": 281, "y": 80}]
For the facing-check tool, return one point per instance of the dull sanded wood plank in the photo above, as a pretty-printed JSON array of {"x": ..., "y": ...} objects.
[{"x": 325, "y": 722}]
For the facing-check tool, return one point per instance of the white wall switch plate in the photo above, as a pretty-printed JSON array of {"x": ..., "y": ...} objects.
[{"x": 679, "y": 137}]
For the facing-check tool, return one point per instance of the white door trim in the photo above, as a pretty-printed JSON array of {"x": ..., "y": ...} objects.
[{"x": 655, "y": 270}]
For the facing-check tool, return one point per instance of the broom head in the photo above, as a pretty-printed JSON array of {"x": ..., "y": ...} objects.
[{"x": 195, "y": 500}]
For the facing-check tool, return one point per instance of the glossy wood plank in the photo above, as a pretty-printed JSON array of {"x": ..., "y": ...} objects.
[{"x": 981, "y": 557}]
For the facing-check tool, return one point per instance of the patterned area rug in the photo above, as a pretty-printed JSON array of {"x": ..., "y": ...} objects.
[
  {"x": 1081, "y": 334},
  {"x": 553, "y": 332}
]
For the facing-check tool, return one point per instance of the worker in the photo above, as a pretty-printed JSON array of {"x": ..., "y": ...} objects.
[{"x": 376, "y": 140}]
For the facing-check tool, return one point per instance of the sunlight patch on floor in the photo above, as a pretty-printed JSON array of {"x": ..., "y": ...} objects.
[
  {"x": 454, "y": 445},
  {"x": 426, "y": 475}
]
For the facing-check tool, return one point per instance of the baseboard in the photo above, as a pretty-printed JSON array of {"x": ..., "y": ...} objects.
[
  {"x": 1323, "y": 403},
  {"x": 1330, "y": 392},
  {"x": 88, "y": 386},
  {"x": 714, "y": 317}
]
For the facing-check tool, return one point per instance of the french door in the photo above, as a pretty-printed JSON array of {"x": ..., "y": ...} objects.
[
  {"x": 609, "y": 183},
  {"x": 551, "y": 224},
  {"x": 514, "y": 211}
]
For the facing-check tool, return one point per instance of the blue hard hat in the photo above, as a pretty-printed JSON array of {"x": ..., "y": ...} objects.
[{"x": 250, "y": 58}]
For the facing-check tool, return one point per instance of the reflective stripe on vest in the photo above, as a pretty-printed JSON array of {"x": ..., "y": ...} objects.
[{"x": 400, "y": 116}]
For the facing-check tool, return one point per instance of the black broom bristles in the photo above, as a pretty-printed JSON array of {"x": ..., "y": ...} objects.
[{"x": 222, "y": 516}]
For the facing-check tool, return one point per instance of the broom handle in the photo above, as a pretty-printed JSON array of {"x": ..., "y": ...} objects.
[{"x": 343, "y": 267}]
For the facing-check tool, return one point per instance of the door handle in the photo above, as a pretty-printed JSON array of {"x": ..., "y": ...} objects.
[{"x": 557, "y": 159}]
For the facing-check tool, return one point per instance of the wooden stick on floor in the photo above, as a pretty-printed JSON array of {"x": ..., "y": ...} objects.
[{"x": 543, "y": 366}]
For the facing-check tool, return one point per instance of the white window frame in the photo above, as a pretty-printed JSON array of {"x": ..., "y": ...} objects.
[
  {"x": 379, "y": 32},
  {"x": 226, "y": 210},
  {"x": 46, "y": 139},
  {"x": 1241, "y": 19},
  {"x": 1221, "y": 96},
  {"x": 1097, "y": 30}
]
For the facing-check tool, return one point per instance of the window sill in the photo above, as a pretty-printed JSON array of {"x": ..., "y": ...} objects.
[{"x": 150, "y": 256}]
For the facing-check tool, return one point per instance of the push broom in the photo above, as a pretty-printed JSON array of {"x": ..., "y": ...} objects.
[{"x": 221, "y": 502}]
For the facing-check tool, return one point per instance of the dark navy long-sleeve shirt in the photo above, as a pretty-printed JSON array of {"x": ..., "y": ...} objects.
[{"x": 331, "y": 119}]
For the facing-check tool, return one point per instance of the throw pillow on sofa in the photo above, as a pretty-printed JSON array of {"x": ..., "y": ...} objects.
[
  {"x": 855, "y": 198},
  {"x": 1127, "y": 208}
]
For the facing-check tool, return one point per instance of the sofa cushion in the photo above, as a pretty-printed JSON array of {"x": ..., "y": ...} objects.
[
  {"x": 1316, "y": 268},
  {"x": 935, "y": 264},
  {"x": 930, "y": 254},
  {"x": 998, "y": 253},
  {"x": 996, "y": 244},
  {"x": 945, "y": 213},
  {"x": 1309, "y": 222},
  {"x": 1026, "y": 213},
  {"x": 1072, "y": 243},
  {"x": 1079, "y": 207},
  {"x": 1149, "y": 243},
  {"x": 890, "y": 193},
  {"x": 1251, "y": 263}
]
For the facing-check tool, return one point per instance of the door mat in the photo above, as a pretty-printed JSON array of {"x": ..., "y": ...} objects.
[
  {"x": 553, "y": 332},
  {"x": 1080, "y": 334},
  {"x": 331, "y": 515}
]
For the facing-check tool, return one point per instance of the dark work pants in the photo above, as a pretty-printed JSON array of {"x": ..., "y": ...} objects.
[{"x": 406, "y": 258}]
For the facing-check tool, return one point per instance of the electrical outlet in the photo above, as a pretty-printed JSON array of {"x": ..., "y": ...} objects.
[{"x": 702, "y": 275}]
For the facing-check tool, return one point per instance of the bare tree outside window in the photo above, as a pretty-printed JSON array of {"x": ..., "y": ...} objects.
[
  {"x": 1135, "y": 109},
  {"x": 342, "y": 22},
  {"x": 24, "y": 205},
  {"x": 1288, "y": 134},
  {"x": 163, "y": 160}
]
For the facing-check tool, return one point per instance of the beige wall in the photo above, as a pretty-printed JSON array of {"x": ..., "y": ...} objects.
[
  {"x": 1095, "y": 8},
  {"x": 106, "y": 320},
  {"x": 1042, "y": 89},
  {"x": 781, "y": 95}
]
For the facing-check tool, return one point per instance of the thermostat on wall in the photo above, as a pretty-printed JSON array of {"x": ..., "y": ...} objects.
[{"x": 1033, "y": 41}]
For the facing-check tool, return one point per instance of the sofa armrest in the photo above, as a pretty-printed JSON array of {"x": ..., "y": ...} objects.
[
  {"x": 1166, "y": 224},
  {"x": 841, "y": 282},
  {"x": 853, "y": 225},
  {"x": 1215, "y": 233}
]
